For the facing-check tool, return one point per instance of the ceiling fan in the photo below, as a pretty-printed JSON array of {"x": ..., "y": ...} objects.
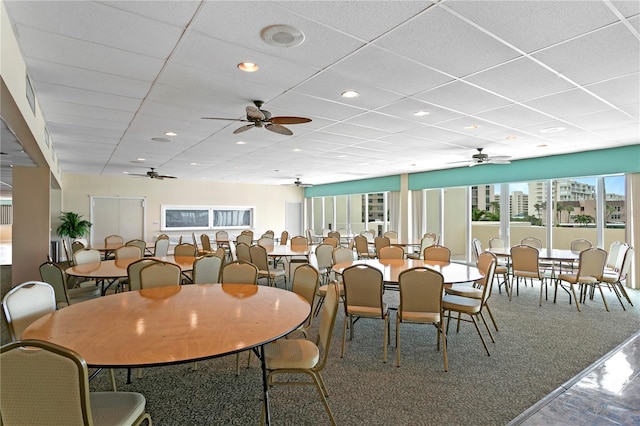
[
  {"x": 262, "y": 118},
  {"x": 153, "y": 175},
  {"x": 301, "y": 184},
  {"x": 482, "y": 158}
]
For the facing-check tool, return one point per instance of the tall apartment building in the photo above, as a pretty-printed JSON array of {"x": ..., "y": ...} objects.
[
  {"x": 561, "y": 190},
  {"x": 482, "y": 196}
]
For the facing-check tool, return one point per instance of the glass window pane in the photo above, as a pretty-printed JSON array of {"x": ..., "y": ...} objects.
[
  {"x": 574, "y": 211},
  {"x": 616, "y": 206},
  {"x": 485, "y": 213},
  {"x": 455, "y": 228}
]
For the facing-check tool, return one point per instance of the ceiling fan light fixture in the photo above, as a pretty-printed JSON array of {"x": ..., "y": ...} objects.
[
  {"x": 282, "y": 36},
  {"x": 471, "y": 127},
  {"x": 350, "y": 94},
  {"x": 421, "y": 113},
  {"x": 248, "y": 67}
]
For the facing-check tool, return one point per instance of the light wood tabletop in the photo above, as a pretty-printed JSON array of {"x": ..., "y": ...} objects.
[
  {"x": 287, "y": 250},
  {"x": 171, "y": 325},
  {"x": 560, "y": 255},
  {"x": 453, "y": 273}
]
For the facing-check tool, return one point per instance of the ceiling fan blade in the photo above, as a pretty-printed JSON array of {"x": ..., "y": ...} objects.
[
  {"x": 499, "y": 161},
  {"x": 166, "y": 177},
  {"x": 278, "y": 129},
  {"x": 499, "y": 157},
  {"x": 457, "y": 162},
  {"x": 289, "y": 120},
  {"x": 243, "y": 128},
  {"x": 227, "y": 119},
  {"x": 138, "y": 174},
  {"x": 254, "y": 113}
]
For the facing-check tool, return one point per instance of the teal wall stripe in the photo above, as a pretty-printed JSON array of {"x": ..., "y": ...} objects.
[{"x": 624, "y": 159}]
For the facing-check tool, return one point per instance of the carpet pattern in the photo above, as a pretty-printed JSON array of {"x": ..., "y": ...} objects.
[{"x": 537, "y": 349}]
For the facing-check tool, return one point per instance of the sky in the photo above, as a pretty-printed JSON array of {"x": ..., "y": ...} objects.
[{"x": 613, "y": 185}]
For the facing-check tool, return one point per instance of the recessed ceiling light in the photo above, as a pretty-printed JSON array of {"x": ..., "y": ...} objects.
[
  {"x": 170, "y": 134},
  {"x": 240, "y": 143},
  {"x": 350, "y": 94},
  {"x": 421, "y": 113},
  {"x": 511, "y": 137},
  {"x": 193, "y": 164},
  {"x": 248, "y": 67},
  {"x": 363, "y": 164},
  {"x": 471, "y": 127},
  {"x": 342, "y": 156},
  {"x": 553, "y": 129},
  {"x": 126, "y": 173},
  {"x": 296, "y": 150},
  {"x": 282, "y": 36},
  {"x": 161, "y": 140},
  {"x": 140, "y": 159}
]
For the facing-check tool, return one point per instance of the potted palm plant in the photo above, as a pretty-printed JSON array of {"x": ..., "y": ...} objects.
[{"x": 72, "y": 226}]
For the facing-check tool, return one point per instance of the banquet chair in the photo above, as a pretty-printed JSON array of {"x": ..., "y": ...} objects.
[
  {"x": 161, "y": 247},
  {"x": 496, "y": 242},
  {"x": 302, "y": 243},
  {"x": 269, "y": 234},
  {"x": 205, "y": 242},
  {"x": 369, "y": 235},
  {"x": 501, "y": 270},
  {"x": 248, "y": 232},
  {"x": 338, "y": 255},
  {"x": 133, "y": 272},
  {"x": 391, "y": 235},
  {"x": 615, "y": 256},
  {"x": 391, "y": 252},
  {"x": 46, "y": 384},
  {"x": 309, "y": 236},
  {"x": 363, "y": 291},
  {"x": 266, "y": 242},
  {"x": 305, "y": 283},
  {"x": 334, "y": 242},
  {"x": 128, "y": 252},
  {"x": 138, "y": 243},
  {"x": 55, "y": 276},
  {"x": 324, "y": 258},
  {"x": 185, "y": 249},
  {"x": 476, "y": 290},
  {"x": 299, "y": 356},
  {"x": 244, "y": 239},
  {"x": 362, "y": 247},
  {"x": 531, "y": 242},
  {"x": 336, "y": 235},
  {"x": 471, "y": 307},
  {"x": 525, "y": 263},
  {"x": 85, "y": 256},
  {"x": 437, "y": 253},
  {"x": 427, "y": 240},
  {"x": 260, "y": 259},
  {"x": 240, "y": 272},
  {"x": 614, "y": 279},
  {"x": 421, "y": 303},
  {"x": 580, "y": 244},
  {"x": 590, "y": 271},
  {"x": 160, "y": 274},
  {"x": 25, "y": 303},
  {"x": 222, "y": 240},
  {"x": 207, "y": 269},
  {"x": 284, "y": 238},
  {"x": 77, "y": 245},
  {"x": 379, "y": 242},
  {"x": 112, "y": 239},
  {"x": 242, "y": 252}
]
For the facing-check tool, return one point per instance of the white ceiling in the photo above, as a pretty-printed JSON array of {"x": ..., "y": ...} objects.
[{"x": 112, "y": 75}]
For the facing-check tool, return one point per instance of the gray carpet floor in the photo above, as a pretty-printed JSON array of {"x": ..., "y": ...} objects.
[{"x": 537, "y": 349}]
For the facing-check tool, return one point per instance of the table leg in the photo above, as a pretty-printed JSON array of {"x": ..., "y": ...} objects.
[{"x": 265, "y": 385}]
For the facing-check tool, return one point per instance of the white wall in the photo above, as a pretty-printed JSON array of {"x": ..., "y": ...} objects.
[{"x": 269, "y": 200}]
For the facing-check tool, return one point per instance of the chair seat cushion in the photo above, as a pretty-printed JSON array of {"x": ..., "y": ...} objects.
[
  {"x": 419, "y": 317},
  {"x": 461, "y": 304},
  {"x": 611, "y": 277},
  {"x": 501, "y": 270},
  {"x": 291, "y": 353},
  {"x": 464, "y": 291},
  {"x": 573, "y": 278},
  {"x": 84, "y": 292},
  {"x": 322, "y": 290},
  {"x": 367, "y": 311},
  {"x": 116, "y": 408}
]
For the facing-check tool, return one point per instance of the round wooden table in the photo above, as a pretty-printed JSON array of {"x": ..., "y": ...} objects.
[
  {"x": 453, "y": 273},
  {"x": 171, "y": 325}
]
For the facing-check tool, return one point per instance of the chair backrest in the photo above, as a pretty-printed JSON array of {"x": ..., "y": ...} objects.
[
  {"x": 284, "y": 238},
  {"x": 266, "y": 242},
  {"x": 437, "y": 253},
  {"x": 162, "y": 237},
  {"x": 160, "y": 274},
  {"x": 334, "y": 234},
  {"x": 325, "y": 232},
  {"x": 476, "y": 248},
  {"x": 496, "y": 242},
  {"x": 43, "y": 384},
  {"x": 333, "y": 242},
  {"x": 137, "y": 243},
  {"x": 341, "y": 255},
  {"x": 53, "y": 275},
  {"x": 114, "y": 239},
  {"x": 363, "y": 286},
  {"x": 391, "y": 235},
  {"x": 221, "y": 253},
  {"x": 185, "y": 249},
  {"x": 580, "y": 244},
  {"x": 305, "y": 283},
  {"x": 309, "y": 236},
  {"x": 205, "y": 242},
  {"x": 614, "y": 250},
  {"x": 248, "y": 232},
  {"x": 420, "y": 292},
  {"x": 362, "y": 246},
  {"x": 626, "y": 263},
  {"x": 25, "y": 303},
  {"x": 86, "y": 256},
  {"x": 391, "y": 252},
  {"x": 427, "y": 240},
  {"x": 76, "y": 246},
  {"x": 240, "y": 272},
  {"x": 484, "y": 264},
  {"x": 195, "y": 240},
  {"x": 327, "y": 322},
  {"x": 207, "y": 269},
  {"x": 133, "y": 272},
  {"x": 259, "y": 257},
  {"x": 269, "y": 233},
  {"x": 222, "y": 236},
  {"x": 128, "y": 252},
  {"x": 525, "y": 258},
  {"x": 244, "y": 239},
  {"x": 242, "y": 252},
  {"x": 324, "y": 255},
  {"x": 299, "y": 240},
  {"x": 532, "y": 242},
  {"x": 592, "y": 262},
  {"x": 368, "y": 235},
  {"x": 379, "y": 242},
  {"x": 622, "y": 252},
  {"x": 433, "y": 236},
  {"x": 161, "y": 247}
]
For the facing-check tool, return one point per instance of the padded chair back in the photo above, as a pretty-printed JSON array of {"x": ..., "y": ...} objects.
[
  {"x": 128, "y": 252},
  {"x": 163, "y": 237},
  {"x": 240, "y": 272},
  {"x": 133, "y": 272},
  {"x": 391, "y": 235},
  {"x": 333, "y": 242},
  {"x": 269, "y": 234},
  {"x": 580, "y": 244},
  {"x": 363, "y": 287},
  {"x": 222, "y": 236},
  {"x": 342, "y": 254},
  {"x": 324, "y": 255},
  {"x": 24, "y": 304},
  {"x": 325, "y": 232},
  {"x": 44, "y": 386},
  {"x": 205, "y": 242},
  {"x": 327, "y": 322},
  {"x": 437, "y": 253},
  {"x": 137, "y": 243},
  {"x": 309, "y": 237},
  {"x": 484, "y": 265},
  {"x": 626, "y": 263},
  {"x": 532, "y": 242},
  {"x": 221, "y": 253},
  {"x": 77, "y": 245},
  {"x": 206, "y": 269},
  {"x": 391, "y": 252},
  {"x": 476, "y": 248},
  {"x": 247, "y": 232},
  {"x": 362, "y": 246},
  {"x": 259, "y": 257},
  {"x": 524, "y": 258},
  {"x": 369, "y": 236},
  {"x": 592, "y": 263},
  {"x": 496, "y": 242},
  {"x": 284, "y": 238},
  {"x": 84, "y": 256},
  {"x": 185, "y": 249},
  {"x": 427, "y": 241},
  {"x": 244, "y": 239},
  {"x": 299, "y": 241},
  {"x": 160, "y": 274},
  {"x": 243, "y": 253},
  {"x": 379, "y": 242},
  {"x": 53, "y": 275},
  {"x": 306, "y": 280},
  {"x": 614, "y": 251},
  {"x": 266, "y": 242},
  {"x": 161, "y": 247},
  {"x": 114, "y": 239},
  {"x": 334, "y": 234},
  {"x": 420, "y": 294}
]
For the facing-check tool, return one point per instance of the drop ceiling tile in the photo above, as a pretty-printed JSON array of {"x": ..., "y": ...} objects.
[
  {"x": 619, "y": 91},
  {"x": 353, "y": 130},
  {"x": 406, "y": 108},
  {"x": 602, "y": 120},
  {"x": 85, "y": 97},
  {"x": 315, "y": 107},
  {"x": 177, "y": 12},
  {"x": 384, "y": 123},
  {"x": 513, "y": 116},
  {"x": 440, "y": 40},
  {"x": 88, "y": 111},
  {"x": 434, "y": 134},
  {"x": 566, "y": 104},
  {"x": 463, "y": 98},
  {"x": 89, "y": 122},
  {"x": 628, "y": 8}
]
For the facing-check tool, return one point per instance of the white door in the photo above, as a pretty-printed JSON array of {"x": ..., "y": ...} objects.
[
  {"x": 117, "y": 216},
  {"x": 293, "y": 219}
]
